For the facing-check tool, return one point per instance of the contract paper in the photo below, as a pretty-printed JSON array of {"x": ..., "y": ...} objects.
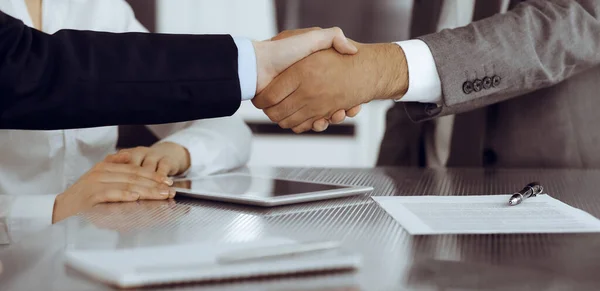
[{"x": 488, "y": 214}]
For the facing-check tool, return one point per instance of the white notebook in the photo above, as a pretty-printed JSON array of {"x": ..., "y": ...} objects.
[{"x": 128, "y": 268}]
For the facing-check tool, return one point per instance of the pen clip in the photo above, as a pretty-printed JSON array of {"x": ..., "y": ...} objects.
[{"x": 533, "y": 189}]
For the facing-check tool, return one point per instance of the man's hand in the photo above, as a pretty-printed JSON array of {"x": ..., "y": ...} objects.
[
  {"x": 337, "y": 118},
  {"x": 112, "y": 182},
  {"x": 275, "y": 56},
  {"x": 166, "y": 158},
  {"x": 340, "y": 115},
  {"x": 320, "y": 85}
]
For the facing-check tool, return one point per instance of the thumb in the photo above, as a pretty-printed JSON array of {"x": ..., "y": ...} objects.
[
  {"x": 295, "y": 48},
  {"x": 274, "y": 57},
  {"x": 339, "y": 41}
]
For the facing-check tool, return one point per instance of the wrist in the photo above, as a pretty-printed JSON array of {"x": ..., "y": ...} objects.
[
  {"x": 391, "y": 70},
  {"x": 56, "y": 214},
  {"x": 187, "y": 161},
  {"x": 265, "y": 71}
]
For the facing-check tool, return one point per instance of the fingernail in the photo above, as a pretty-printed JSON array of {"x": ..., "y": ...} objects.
[
  {"x": 165, "y": 192},
  {"x": 172, "y": 193},
  {"x": 354, "y": 48},
  {"x": 168, "y": 181},
  {"x": 351, "y": 45}
]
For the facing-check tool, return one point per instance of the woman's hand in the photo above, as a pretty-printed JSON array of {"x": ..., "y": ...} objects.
[
  {"x": 166, "y": 158},
  {"x": 113, "y": 180}
]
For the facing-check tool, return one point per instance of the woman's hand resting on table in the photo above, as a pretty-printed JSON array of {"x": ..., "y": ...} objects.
[
  {"x": 115, "y": 179},
  {"x": 166, "y": 158}
]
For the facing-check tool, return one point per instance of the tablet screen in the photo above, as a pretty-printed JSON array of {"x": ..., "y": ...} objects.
[{"x": 251, "y": 186}]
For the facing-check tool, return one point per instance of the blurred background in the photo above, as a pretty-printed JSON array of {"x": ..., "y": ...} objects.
[{"x": 355, "y": 143}]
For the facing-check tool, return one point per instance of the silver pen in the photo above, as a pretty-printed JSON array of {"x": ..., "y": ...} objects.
[{"x": 531, "y": 190}]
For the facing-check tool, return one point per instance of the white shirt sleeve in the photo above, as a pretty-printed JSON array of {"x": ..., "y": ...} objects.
[
  {"x": 215, "y": 145},
  {"x": 424, "y": 84},
  {"x": 28, "y": 214},
  {"x": 247, "y": 68}
]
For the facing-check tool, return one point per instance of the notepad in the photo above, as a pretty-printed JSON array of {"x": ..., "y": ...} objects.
[
  {"x": 489, "y": 214},
  {"x": 128, "y": 268}
]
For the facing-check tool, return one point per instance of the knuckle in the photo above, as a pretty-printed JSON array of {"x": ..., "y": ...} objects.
[
  {"x": 153, "y": 184},
  {"x": 256, "y": 102},
  {"x": 337, "y": 30},
  {"x": 140, "y": 172},
  {"x": 284, "y": 124},
  {"x": 167, "y": 163},
  {"x": 100, "y": 197},
  {"x": 97, "y": 199},
  {"x": 271, "y": 99},
  {"x": 131, "y": 179},
  {"x": 95, "y": 175},
  {"x": 272, "y": 114},
  {"x": 274, "y": 118},
  {"x": 140, "y": 150},
  {"x": 263, "y": 100},
  {"x": 115, "y": 195},
  {"x": 129, "y": 187}
]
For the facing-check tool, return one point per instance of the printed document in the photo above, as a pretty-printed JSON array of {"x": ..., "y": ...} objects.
[{"x": 486, "y": 214}]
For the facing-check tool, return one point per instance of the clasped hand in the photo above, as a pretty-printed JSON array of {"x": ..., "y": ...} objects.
[
  {"x": 140, "y": 173},
  {"x": 312, "y": 77}
]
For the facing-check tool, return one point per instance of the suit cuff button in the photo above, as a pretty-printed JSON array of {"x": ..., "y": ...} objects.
[
  {"x": 467, "y": 87},
  {"x": 487, "y": 83},
  {"x": 477, "y": 84},
  {"x": 496, "y": 81}
]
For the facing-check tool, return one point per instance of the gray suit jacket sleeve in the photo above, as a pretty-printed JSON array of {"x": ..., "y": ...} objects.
[{"x": 537, "y": 44}]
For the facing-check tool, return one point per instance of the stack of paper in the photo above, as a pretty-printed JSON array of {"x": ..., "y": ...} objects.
[{"x": 486, "y": 214}]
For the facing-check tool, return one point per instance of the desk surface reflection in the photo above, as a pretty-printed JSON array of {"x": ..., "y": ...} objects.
[{"x": 392, "y": 259}]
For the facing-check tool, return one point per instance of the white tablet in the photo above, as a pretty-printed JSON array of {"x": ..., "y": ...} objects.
[{"x": 262, "y": 191}]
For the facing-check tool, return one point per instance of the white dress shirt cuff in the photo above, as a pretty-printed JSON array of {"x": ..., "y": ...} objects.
[
  {"x": 39, "y": 207},
  {"x": 29, "y": 214},
  {"x": 424, "y": 84},
  {"x": 247, "y": 68}
]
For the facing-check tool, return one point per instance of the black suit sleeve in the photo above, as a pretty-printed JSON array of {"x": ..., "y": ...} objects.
[{"x": 75, "y": 79}]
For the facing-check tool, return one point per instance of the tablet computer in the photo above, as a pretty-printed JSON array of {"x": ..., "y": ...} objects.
[{"x": 262, "y": 191}]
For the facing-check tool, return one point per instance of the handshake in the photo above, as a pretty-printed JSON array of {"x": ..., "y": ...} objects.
[{"x": 309, "y": 78}]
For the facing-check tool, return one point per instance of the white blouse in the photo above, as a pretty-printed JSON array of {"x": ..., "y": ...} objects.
[{"x": 45, "y": 163}]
